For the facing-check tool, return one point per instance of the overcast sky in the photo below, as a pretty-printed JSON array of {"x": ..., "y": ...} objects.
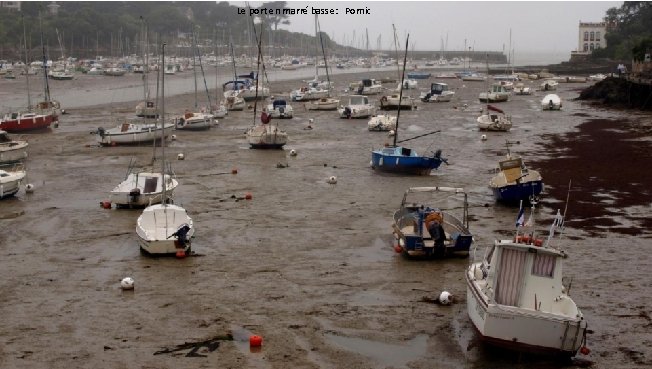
[{"x": 537, "y": 26}]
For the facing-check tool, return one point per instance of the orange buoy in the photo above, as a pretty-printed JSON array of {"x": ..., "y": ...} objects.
[
  {"x": 255, "y": 341},
  {"x": 105, "y": 204},
  {"x": 234, "y": 171},
  {"x": 249, "y": 196},
  {"x": 585, "y": 350},
  {"x": 538, "y": 242},
  {"x": 398, "y": 249},
  {"x": 181, "y": 254}
]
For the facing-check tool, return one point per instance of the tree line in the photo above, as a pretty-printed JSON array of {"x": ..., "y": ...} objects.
[
  {"x": 85, "y": 29},
  {"x": 629, "y": 31}
]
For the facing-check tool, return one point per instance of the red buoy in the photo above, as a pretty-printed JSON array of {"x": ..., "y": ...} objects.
[
  {"x": 249, "y": 196},
  {"x": 105, "y": 204},
  {"x": 255, "y": 341},
  {"x": 398, "y": 248},
  {"x": 234, "y": 171},
  {"x": 585, "y": 350},
  {"x": 181, "y": 254}
]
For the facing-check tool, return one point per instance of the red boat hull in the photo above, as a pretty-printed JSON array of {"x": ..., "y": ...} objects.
[{"x": 26, "y": 123}]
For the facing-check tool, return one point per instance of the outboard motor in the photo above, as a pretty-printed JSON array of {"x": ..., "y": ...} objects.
[
  {"x": 347, "y": 112},
  {"x": 427, "y": 97},
  {"x": 134, "y": 195},
  {"x": 101, "y": 131},
  {"x": 182, "y": 235}
]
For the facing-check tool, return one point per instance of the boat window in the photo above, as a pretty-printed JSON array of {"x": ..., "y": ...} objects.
[
  {"x": 4, "y": 175},
  {"x": 543, "y": 265},
  {"x": 406, "y": 151},
  {"x": 510, "y": 276},
  {"x": 388, "y": 151}
]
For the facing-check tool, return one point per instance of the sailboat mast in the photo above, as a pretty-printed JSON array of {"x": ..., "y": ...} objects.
[
  {"x": 398, "y": 68},
  {"x": 29, "y": 96},
  {"x": 45, "y": 65},
  {"x": 316, "y": 52},
  {"x": 400, "y": 96},
  {"x": 328, "y": 78},
  {"x": 164, "y": 197},
  {"x": 194, "y": 62}
]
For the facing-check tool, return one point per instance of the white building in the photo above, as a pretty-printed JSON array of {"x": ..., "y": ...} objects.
[
  {"x": 591, "y": 37},
  {"x": 15, "y": 5}
]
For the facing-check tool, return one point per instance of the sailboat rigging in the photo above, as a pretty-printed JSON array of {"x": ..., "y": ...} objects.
[{"x": 399, "y": 159}]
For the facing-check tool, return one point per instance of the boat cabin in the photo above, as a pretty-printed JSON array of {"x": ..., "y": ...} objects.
[
  {"x": 513, "y": 169},
  {"x": 358, "y": 100},
  {"x": 437, "y": 88},
  {"x": 279, "y": 104}
]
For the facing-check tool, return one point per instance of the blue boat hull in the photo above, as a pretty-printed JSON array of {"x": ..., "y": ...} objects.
[
  {"x": 416, "y": 165},
  {"x": 418, "y": 75},
  {"x": 517, "y": 192}
]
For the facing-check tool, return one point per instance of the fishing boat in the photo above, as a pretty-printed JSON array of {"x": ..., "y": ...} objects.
[
  {"x": 425, "y": 226},
  {"x": 130, "y": 133},
  {"x": 439, "y": 92},
  {"x": 10, "y": 181},
  {"x": 551, "y": 102},
  {"x": 514, "y": 182},
  {"x": 393, "y": 101},
  {"x": 399, "y": 159},
  {"x": 367, "y": 86},
  {"x": 498, "y": 93},
  {"x": 516, "y": 297},
  {"x": 489, "y": 121},
  {"x": 280, "y": 109},
  {"x": 11, "y": 150},
  {"x": 382, "y": 122},
  {"x": 164, "y": 228},
  {"x": 358, "y": 107},
  {"x": 409, "y": 84}
]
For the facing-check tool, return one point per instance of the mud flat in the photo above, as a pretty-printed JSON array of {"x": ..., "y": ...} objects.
[{"x": 307, "y": 265}]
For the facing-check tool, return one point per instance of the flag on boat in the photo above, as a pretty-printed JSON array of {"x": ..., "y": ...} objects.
[
  {"x": 520, "y": 219},
  {"x": 493, "y": 108}
]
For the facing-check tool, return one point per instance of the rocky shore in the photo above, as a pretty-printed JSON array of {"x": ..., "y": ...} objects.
[{"x": 620, "y": 93}]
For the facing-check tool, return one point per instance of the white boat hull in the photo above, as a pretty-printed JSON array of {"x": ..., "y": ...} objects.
[
  {"x": 382, "y": 123},
  {"x": 323, "y": 104},
  {"x": 123, "y": 194},
  {"x": 196, "y": 121},
  {"x": 494, "y": 122},
  {"x": 156, "y": 227},
  {"x": 10, "y": 182},
  {"x": 132, "y": 135},
  {"x": 266, "y": 136},
  {"x": 11, "y": 153},
  {"x": 522, "y": 329},
  {"x": 551, "y": 102}
]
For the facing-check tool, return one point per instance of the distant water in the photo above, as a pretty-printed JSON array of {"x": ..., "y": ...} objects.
[{"x": 540, "y": 57}]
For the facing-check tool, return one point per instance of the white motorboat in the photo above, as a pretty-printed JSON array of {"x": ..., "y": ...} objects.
[
  {"x": 97, "y": 70},
  {"x": 326, "y": 103},
  {"x": 11, "y": 150},
  {"x": 164, "y": 228},
  {"x": 393, "y": 101},
  {"x": 516, "y": 298},
  {"x": 308, "y": 93},
  {"x": 382, "y": 123},
  {"x": 279, "y": 108},
  {"x": 499, "y": 121},
  {"x": 61, "y": 75},
  {"x": 357, "y": 107},
  {"x": 195, "y": 121},
  {"x": 130, "y": 133},
  {"x": 439, "y": 92},
  {"x": 521, "y": 89},
  {"x": 408, "y": 84},
  {"x": 367, "y": 86},
  {"x": 10, "y": 182},
  {"x": 551, "y": 102},
  {"x": 142, "y": 189},
  {"x": 549, "y": 85},
  {"x": 498, "y": 93},
  {"x": 221, "y": 111}
]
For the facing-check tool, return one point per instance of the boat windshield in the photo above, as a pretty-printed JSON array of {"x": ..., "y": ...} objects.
[
  {"x": 439, "y": 87},
  {"x": 358, "y": 100}
]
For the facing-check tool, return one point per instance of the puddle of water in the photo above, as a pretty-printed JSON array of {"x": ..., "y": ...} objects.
[{"x": 387, "y": 354}]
